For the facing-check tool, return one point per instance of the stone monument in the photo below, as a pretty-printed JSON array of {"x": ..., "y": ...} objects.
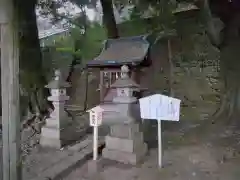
[
  {"x": 125, "y": 142},
  {"x": 52, "y": 134}
]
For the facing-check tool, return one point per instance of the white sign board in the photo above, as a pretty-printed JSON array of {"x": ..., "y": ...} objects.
[
  {"x": 95, "y": 116},
  {"x": 160, "y": 107}
]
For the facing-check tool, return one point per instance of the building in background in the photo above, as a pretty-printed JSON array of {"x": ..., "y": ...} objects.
[{"x": 48, "y": 31}]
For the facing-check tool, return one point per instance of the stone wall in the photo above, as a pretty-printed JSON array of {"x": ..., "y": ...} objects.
[{"x": 197, "y": 86}]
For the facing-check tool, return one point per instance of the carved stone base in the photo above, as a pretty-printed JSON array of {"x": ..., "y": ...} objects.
[
  {"x": 55, "y": 137},
  {"x": 52, "y": 137},
  {"x": 125, "y": 144},
  {"x": 126, "y": 157},
  {"x": 52, "y": 143}
]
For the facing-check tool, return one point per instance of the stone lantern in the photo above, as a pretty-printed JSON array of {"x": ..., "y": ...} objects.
[
  {"x": 125, "y": 106},
  {"x": 125, "y": 87},
  {"x": 125, "y": 142},
  {"x": 53, "y": 131}
]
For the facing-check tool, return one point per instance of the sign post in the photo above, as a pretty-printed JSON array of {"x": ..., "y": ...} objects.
[
  {"x": 95, "y": 115},
  {"x": 159, "y": 143},
  {"x": 95, "y": 142},
  {"x": 160, "y": 107}
]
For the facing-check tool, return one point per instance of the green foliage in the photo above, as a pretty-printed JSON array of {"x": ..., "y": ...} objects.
[
  {"x": 159, "y": 11},
  {"x": 50, "y": 7},
  {"x": 197, "y": 49},
  {"x": 92, "y": 42},
  {"x": 133, "y": 28},
  {"x": 162, "y": 23},
  {"x": 58, "y": 55},
  {"x": 77, "y": 45},
  {"x": 162, "y": 17}
]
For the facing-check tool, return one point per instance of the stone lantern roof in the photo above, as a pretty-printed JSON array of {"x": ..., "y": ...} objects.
[
  {"x": 58, "y": 82},
  {"x": 125, "y": 80}
]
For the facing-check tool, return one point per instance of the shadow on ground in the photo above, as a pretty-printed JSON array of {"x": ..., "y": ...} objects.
[{"x": 191, "y": 152}]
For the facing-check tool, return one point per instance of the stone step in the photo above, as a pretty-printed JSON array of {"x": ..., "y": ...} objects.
[
  {"x": 50, "y": 132},
  {"x": 124, "y": 130},
  {"x": 126, "y": 145},
  {"x": 53, "y": 123},
  {"x": 125, "y": 157},
  {"x": 51, "y": 142}
]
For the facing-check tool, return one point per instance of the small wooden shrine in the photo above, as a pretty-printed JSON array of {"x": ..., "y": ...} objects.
[{"x": 130, "y": 51}]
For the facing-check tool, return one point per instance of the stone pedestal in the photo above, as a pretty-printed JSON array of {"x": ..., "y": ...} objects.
[
  {"x": 125, "y": 144},
  {"x": 53, "y": 135}
]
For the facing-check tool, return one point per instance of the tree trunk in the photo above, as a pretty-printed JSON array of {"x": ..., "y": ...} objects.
[
  {"x": 227, "y": 39},
  {"x": 32, "y": 76},
  {"x": 171, "y": 67},
  {"x": 109, "y": 19},
  {"x": 11, "y": 148},
  {"x": 230, "y": 69}
]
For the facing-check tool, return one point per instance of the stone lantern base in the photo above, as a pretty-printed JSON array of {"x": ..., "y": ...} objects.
[
  {"x": 125, "y": 144},
  {"x": 56, "y": 137},
  {"x": 51, "y": 137}
]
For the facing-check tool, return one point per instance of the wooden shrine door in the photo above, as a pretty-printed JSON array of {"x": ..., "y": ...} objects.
[{"x": 108, "y": 77}]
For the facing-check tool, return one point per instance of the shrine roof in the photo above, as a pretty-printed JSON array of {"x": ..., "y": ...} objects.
[{"x": 122, "y": 51}]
